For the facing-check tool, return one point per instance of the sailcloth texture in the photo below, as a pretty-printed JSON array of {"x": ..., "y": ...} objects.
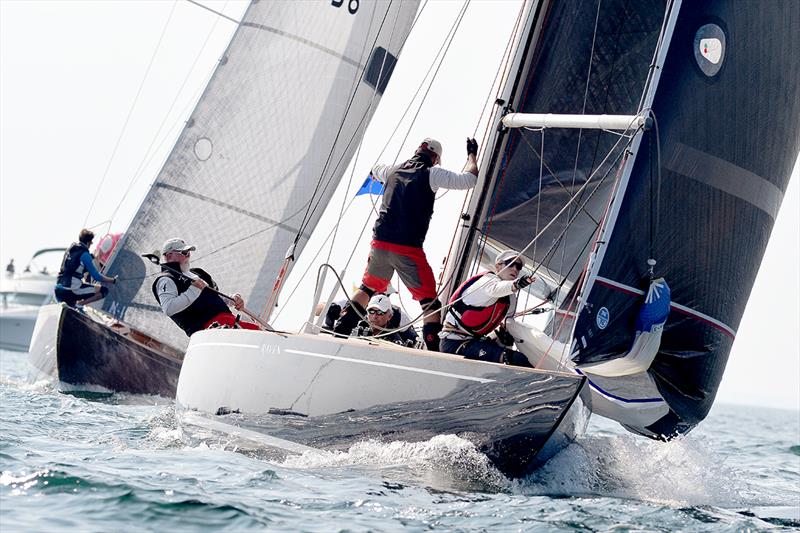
[{"x": 264, "y": 149}]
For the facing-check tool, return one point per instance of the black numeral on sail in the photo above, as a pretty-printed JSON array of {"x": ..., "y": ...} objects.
[{"x": 352, "y": 5}]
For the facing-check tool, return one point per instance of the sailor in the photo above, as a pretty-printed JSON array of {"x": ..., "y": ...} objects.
[
  {"x": 399, "y": 232},
  {"x": 383, "y": 317},
  {"x": 10, "y": 268},
  {"x": 184, "y": 294},
  {"x": 70, "y": 287},
  {"x": 480, "y": 306}
]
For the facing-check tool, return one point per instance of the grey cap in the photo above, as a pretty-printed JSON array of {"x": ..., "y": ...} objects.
[{"x": 176, "y": 245}]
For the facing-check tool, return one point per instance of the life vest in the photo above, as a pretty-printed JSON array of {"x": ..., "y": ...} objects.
[
  {"x": 208, "y": 305},
  {"x": 475, "y": 320},
  {"x": 407, "y": 206},
  {"x": 71, "y": 266}
]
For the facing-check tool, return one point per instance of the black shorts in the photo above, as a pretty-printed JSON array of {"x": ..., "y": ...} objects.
[{"x": 72, "y": 296}]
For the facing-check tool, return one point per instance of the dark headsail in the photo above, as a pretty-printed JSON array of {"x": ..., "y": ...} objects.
[{"x": 727, "y": 107}]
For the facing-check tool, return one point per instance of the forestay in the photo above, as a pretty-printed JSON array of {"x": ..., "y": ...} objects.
[{"x": 264, "y": 149}]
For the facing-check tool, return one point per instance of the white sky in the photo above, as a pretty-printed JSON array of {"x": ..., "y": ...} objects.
[{"x": 71, "y": 71}]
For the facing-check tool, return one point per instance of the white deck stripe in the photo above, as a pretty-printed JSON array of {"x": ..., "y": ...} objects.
[
  {"x": 230, "y": 429},
  {"x": 351, "y": 360},
  {"x": 389, "y": 365},
  {"x": 679, "y": 307}
]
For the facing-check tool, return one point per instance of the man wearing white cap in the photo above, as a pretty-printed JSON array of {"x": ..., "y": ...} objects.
[
  {"x": 183, "y": 293},
  {"x": 481, "y": 305},
  {"x": 397, "y": 239},
  {"x": 383, "y": 317}
]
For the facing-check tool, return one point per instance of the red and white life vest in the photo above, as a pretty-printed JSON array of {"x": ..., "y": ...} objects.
[{"x": 477, "y": 320}]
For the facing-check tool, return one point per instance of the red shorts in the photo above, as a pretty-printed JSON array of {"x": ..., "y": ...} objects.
[
  {"x": 410, "y": 264},
  {"x": 228, "y": 321}
]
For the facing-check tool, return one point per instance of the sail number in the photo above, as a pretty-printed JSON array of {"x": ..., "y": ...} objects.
[{"x": 352, "y": 5}]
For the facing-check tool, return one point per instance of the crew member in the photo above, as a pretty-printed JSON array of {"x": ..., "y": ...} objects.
[
  {"x": 70, "y": 287},
  {"x": 383, "y": 317},
  {"x": 399, "y": 233},
  {"x": 480, "y": 306},
  {"x": 185, "y": 293}
]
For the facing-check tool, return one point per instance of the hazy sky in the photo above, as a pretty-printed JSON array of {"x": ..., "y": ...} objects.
[{"x": 93, "y": 94}]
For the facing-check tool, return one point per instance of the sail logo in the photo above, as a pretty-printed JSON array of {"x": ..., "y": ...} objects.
[
  {"x": 709, "y": 49},
  {"x": 602, "y": 318}
]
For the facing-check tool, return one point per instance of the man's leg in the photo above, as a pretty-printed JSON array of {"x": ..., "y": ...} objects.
[
  {"x": 417, "y": 275},
  {"x": 375, "y": 279},
  {"x": 98, "y": 293}
]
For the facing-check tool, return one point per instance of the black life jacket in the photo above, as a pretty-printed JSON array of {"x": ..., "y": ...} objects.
[
  {"x": 71, "y": 266},
  {"x": 204, "y": 308},
  {"x": 407, "y": 205},
  {"x": 475, "y": 320}
]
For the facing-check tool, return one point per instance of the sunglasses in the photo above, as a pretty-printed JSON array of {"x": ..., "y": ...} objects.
[
  {"x": 512, "y": 263},
  {"x": 376, "y": 312}
]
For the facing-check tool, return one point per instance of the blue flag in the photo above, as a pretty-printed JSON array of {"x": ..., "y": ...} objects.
[{"x": 371, "y": 186}]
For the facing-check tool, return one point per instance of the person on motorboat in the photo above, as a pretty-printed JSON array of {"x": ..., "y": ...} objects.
[
  {"x": 400, "y": 230},
  {"x": 480, "y": 306},
  {"x": 184, "y": 294},
  {"x": 383, "y": 317},
  {"x": 70, "y": 288}
]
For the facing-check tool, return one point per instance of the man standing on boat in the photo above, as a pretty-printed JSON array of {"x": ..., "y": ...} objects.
[
  {"x": 184, "y": 294},
  {"x": 397, "y": 238},
  {"x": 70, "y": 287},
  {"x": 480, "y": 306},
  {"x": 382, "y": 318}
]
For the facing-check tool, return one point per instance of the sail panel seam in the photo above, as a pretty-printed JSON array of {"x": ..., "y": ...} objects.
[
  {"x": 702, "y": 317},
  {"x": 230, "y": 207},
  {"x": 725, "y": 177},
  {"x": 306, "y": 42}
]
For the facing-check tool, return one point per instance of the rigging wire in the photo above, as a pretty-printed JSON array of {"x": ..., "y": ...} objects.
[
  {"x": 130, "y": 113},
  {"x": 151, "y": 150}
]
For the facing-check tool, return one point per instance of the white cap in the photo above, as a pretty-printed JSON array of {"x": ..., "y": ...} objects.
[
  {"x": 176, "y": 245},
  {"x": 507, "y": 255},
  {"x": 432, "y": 145},
  {"x": 380, "y": 302}
]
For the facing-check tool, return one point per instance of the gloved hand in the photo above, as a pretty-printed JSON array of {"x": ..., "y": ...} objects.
[
  {"x": 523, "y": 282},
  {"x": 472, "y": 147}
]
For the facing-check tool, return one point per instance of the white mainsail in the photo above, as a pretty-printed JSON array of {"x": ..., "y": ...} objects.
[{"x": 265, "y": 147}]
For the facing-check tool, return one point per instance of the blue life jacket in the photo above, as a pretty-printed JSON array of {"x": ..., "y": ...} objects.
[{"x": 71, "y": 266}]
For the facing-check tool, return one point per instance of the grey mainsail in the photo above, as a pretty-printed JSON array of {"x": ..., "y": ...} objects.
[{"x": 264, "y": 148}]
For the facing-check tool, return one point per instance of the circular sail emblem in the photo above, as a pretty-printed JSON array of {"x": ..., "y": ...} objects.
[
  {"x": 709, "y": 48},
  {"x": 602, "y": 318}
]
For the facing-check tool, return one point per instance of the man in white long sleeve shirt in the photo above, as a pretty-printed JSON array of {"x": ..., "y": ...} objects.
[
  {"x": 399, "y": 233},
  {"x": 185, "y": 294},
  {"x": 481, "y": 305}
]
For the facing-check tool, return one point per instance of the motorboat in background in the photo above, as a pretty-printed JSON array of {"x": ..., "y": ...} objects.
[{"x": 21, "y": 296}]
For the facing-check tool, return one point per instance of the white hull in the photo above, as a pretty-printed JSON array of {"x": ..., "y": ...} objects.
[
  {"x": 16, "y": 327},
  {"x": 320, "y": 391}
]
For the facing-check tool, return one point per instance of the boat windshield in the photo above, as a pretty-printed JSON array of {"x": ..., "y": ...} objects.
[{"x": 23, "y": 298}]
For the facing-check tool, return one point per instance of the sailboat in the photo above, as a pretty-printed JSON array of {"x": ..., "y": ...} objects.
[
  {"x": 635, "y": 165},
  {"x": 282, "y": 114}
]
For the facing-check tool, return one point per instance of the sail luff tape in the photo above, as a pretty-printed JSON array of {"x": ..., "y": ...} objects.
[{"x": 550, "y": 120}]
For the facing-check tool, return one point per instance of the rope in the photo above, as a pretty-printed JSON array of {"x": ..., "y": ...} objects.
[{"x": 128, "y": 117}]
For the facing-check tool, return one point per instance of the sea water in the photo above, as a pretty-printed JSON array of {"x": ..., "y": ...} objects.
[{"x": 83, "y": 462}]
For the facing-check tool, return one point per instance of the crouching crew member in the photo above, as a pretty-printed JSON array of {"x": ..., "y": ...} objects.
[
  {"x": 70, "y": 287},
  {"x": 480, "y": 306},
  {"x": 184, "y": 294},
  {"x": 382, "y": 317},
  {"x": 400, "y": 230}
]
